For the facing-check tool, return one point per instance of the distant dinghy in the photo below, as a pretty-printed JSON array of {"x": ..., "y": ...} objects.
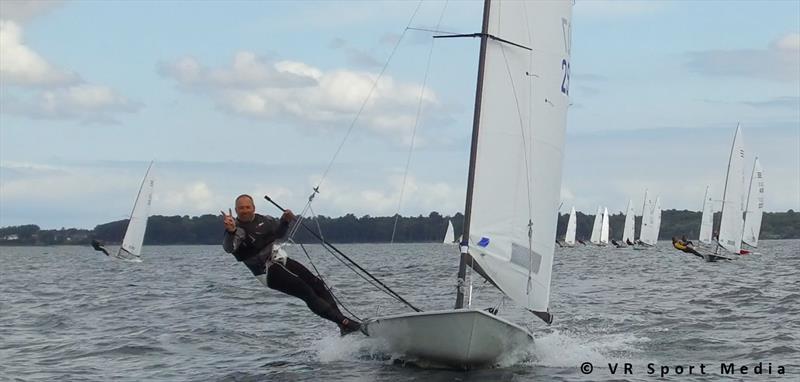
[
  {"x": 131, "y": 248},
  {"x": 732, "y": 223},
  {"x": 450, "y": 235}
]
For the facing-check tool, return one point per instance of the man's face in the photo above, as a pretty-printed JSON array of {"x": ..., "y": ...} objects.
[{"x": 245, "y": 210}]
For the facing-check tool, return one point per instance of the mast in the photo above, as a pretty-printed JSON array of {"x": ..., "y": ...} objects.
[{"x": 473, "y": 154}]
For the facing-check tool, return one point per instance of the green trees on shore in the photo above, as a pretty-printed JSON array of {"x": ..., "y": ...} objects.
[{"x": 207, "y": 229}]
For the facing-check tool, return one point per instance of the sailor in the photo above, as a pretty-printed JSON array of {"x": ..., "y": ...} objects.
[
  {"x": 98, "y": 246},
  {"x": 684, "y": 247},
  {"x": 250, "y": 237},
  {"x": 628, "y": 241}
]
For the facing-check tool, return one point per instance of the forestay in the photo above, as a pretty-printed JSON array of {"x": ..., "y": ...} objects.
[{"x": 520, "y": 147}]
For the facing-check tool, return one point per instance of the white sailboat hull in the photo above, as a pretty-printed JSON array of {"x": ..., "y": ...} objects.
[{"x": 462, "y": 338}]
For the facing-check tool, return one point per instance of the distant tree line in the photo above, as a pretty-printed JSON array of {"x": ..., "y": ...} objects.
[{"x": 207, "y": 229}]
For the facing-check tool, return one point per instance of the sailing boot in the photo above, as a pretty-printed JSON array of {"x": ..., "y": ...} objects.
[{"x": 348, "y": 326}]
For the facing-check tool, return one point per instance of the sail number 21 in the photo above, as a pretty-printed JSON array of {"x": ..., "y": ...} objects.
[{"x": 565, "y": 80}]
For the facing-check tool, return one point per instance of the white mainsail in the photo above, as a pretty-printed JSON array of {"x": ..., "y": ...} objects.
[
  {"x": 604, "y": 228},
  {"x": 731, "y": 225},
  {"x": 450, "y": 235},
  {"x": 520, "y": 143},
  {"x": 755, "y": 206},
  {"x": 598, "y": 222},
  {"x": 646, "y": 235},
  {"x": 657, "y": 221},
  {"x": 131, "y": 248},
  {"x": 707, "y": 220},
  {"x": 572, "y": 226},
  {"x": 630, "y": 222}
]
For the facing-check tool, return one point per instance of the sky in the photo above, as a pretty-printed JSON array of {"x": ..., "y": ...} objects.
[{"x": 257, "y": 97}]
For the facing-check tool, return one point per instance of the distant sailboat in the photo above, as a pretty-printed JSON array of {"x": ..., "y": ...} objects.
[
  {"x": 657, "y": 220},
  {"x": 732, "y": 224},
  {"x": 630, "y": 223},
  {"x": 572, "y": 226},
  {"x": 450, "y": 235},
  {"x": 648, "y": 235},
  {"x": 131, "y": 248},
  {"x": 755, "y": 206},
  {"x": 597, "y": 226},
  {"x": 707, "y": 220},
  {"x": 512, "y": 189},
  {"x": 604, "y": 228}
]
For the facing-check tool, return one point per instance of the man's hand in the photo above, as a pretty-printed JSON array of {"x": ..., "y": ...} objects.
[
  {"x": 230, "y": 223},
  {"x": 287, "y": 216}
]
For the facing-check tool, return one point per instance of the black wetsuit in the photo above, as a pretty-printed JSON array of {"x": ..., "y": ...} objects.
[
  {"x": 98, "y": 246},
  {"x": 252, "y": 245}
]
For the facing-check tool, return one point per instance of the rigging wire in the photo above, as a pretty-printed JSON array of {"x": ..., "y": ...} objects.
[{"x": 416, "y": 125}]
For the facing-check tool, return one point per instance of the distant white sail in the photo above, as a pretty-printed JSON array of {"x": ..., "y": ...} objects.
[
  {"x": 707, "y": 221},
  {"x": 755, "y": 206},
  {"x": 571, "y": 228},
  {"x": 657, "y": 220},
  {"x": 596, "y": 226},
  {"x": 646, "y": 234},
  {"x": 630, "y": 222},
  {"x": 131, "y": 248},
  {"x": 450, "y": 235},
  {"x": 604, "y": 228},
  {"x": 731, "y": 225}
]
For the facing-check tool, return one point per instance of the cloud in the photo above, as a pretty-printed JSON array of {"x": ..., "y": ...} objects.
[
  {"x": 22, "y": 11},
  {"x": 19, "y": 65},
  {"x": 84, "y": 102},
  {"x": 779, "y": 61},
  {"x": 776, "y": 102},
  {"x": 299, "y": 93},
  {"x": 61, "y": 94},
  {"x": 381, "y": 198},
  {"x": 356, "y": 57}
]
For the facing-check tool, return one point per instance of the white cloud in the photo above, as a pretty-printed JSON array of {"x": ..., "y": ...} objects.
[
  {"x": 24, "y": 10},
  {"x": 779, "y": 61},
  {"x": 62, "y": 95},
  {"x": 19, "y": 65},
  {"x": 194, "y": 198},
  {"x": 305, "y": 95},
  {"x": 84, "y": 102},
  {"x": 381, "y": 198}
]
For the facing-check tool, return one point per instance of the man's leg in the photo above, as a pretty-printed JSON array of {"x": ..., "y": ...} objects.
[
  {"x": 313, "y": 281},
  {"x": 281, "y": 279}
]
